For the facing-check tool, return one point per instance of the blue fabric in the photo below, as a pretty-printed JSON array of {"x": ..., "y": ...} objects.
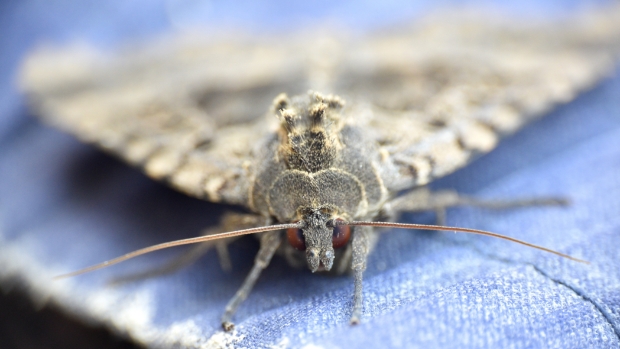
[{"x": 65, "y": 205}]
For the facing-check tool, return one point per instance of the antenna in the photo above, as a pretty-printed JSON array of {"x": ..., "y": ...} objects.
[{"x": 301, "y": 225}]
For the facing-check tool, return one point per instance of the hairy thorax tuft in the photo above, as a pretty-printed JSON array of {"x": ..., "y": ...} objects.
[
  {"x": 309, "y": 130},
  {"x": 316, "y": 159}
]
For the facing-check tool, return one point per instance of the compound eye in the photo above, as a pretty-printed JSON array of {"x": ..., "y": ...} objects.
[
  {"x": 341, "y": 235},
  {"x": 296, "y": 238}
]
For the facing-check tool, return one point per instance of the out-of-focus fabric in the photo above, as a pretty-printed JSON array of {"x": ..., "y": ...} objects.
[{"x": 65, "y": 205}]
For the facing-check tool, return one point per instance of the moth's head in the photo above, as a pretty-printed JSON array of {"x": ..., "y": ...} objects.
[{"x": 318, "y": 236}]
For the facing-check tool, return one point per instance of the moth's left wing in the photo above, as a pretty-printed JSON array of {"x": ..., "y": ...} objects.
[
  {"x": 187, "y": 110},
  {"x": 447, "y": 89}
]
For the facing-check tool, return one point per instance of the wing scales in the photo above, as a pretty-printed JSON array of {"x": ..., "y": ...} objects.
[{"x": 190, "y": 111}]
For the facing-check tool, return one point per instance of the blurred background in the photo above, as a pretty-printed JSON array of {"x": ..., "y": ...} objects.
[{"x": 106, "y": 24}]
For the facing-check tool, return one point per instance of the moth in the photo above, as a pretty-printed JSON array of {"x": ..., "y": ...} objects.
[{"x": 232, "y": 121}]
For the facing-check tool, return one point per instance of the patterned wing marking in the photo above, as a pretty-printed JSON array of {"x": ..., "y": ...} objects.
[
  {"x": 446, "y": 91},
  {"x": 189, "y": 110},
  {"x": 166, "y": 110}
]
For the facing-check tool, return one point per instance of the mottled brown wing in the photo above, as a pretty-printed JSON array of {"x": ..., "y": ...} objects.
[
  {"x": 190, "y": 111},
  {"x": 187, "y": 110},
  {"x": 448, "y": 88}
]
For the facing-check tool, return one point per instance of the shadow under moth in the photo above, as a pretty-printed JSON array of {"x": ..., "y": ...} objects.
[{"x": 322, "y": 137}]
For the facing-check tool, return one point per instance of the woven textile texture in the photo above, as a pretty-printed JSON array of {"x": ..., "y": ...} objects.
[{"x": 65, "y": 205}]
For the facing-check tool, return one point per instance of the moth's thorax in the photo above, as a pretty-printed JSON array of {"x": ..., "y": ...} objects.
[
  {"x": 309, "y": 133},
  {"x": 317, "y": 166},
  {"x": 316, "y": 158}
]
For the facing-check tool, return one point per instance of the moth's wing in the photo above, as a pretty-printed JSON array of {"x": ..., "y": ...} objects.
[
  {"x": 187, "y": 110},
  {"x": 447, "y": 89},
  {"x": 191, "y": 110}
]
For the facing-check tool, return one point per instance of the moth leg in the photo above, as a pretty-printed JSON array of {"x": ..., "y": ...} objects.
[
  {"x": 222, "y": 254},
  {"x": 423, "y": 199},
  {"x": 361, "y": 247},
  {"x": 440, "y": 216},
  {"x": 230, "y": 221},
  {"x": 170, "y": 267},
  {"x": 343, "y": 262},
  {"x": 269, "y": 243}
]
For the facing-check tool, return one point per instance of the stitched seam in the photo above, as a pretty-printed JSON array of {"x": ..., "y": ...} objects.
[
  {"x": 583, "y": 296},
  {"x": 575, "y": 290}
]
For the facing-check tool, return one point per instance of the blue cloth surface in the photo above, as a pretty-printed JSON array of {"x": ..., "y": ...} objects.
[{"x": 65, "y": 205}]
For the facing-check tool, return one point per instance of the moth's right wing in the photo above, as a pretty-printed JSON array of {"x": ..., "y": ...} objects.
[{"x": 450, "y": 87}]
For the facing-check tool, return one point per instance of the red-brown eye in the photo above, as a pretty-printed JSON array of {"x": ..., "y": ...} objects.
[
  {"x": 341, "y": 235},
  {"x": 296, "y": 238}
]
